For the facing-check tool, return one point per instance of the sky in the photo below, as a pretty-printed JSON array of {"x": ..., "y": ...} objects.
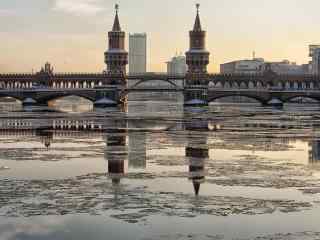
[{"x": 72, "y": 34}]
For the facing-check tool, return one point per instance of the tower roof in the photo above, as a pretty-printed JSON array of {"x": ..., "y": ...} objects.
[
  {"x": 197, "y": 24},
  {"x": 116, "y": 25}
]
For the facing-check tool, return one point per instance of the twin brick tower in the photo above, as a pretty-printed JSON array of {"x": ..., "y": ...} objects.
[{"x": 116, "y": 58}]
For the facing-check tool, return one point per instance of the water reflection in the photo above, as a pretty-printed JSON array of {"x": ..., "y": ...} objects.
[
  {"x": 138, "y": 170},
  {"x": 200, "y": 137},
  {"x": 197, "y": 152},
  {"x": 116, "y": 154},
  {"x": 314, "y": 151},
  {"x": 137, "y": 150}
]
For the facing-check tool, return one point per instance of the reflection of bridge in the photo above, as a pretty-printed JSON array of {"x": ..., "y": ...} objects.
[
  {"x": 127, "y": 142},
  {"x": 121, "y": 145}
]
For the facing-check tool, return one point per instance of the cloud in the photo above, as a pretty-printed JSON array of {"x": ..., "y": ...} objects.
[
  {"x": 78, "y": 7},
  {"x": 8, "y": 13}
]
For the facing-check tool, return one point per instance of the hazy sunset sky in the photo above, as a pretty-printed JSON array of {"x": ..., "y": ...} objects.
[{"x": 72, "y": 34}]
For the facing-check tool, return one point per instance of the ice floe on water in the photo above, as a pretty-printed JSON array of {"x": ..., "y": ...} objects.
[
  {"x": 251, "y": 162},
  {"x": 93, "y": 194},
  {"x": 286, "y": 236}
]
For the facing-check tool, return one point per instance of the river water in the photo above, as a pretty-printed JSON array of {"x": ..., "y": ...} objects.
[{"x": 157, "y": 170}]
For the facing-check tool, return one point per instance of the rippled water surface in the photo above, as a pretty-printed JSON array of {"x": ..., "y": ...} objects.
[{"x": 157, "y": 170}]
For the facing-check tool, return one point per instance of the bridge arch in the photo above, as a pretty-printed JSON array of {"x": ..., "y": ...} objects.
[
  {"x": 58, "y": 96},
  {"x": 228, "y": 85},
  {"x": 243, "y": 85},
  {"x": 18, "y": 98},
  {"x": 251, "y": 85},
  {"x": 259, "y": 85},
  {"x": 219, "y": 85},
  {"x": 154, "y": 80},
  {"x": 303, "y": 96},
  {"x": 255, "y": 97},
  {"x": 311, "y": 85}
]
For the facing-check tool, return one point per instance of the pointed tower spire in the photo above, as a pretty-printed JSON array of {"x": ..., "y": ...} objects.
[
  {"x": 116, "y": 25},
  {"x": 197, "y": 24}
]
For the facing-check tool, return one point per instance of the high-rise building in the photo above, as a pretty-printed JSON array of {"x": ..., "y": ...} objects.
[
  {"x": 312, "y": 49},
  {"x": 314, "y": 64},
  {"x": 177, "y": 65},
  {"x": 316, "y": 61},
  {"x": 137, "y": 53}
]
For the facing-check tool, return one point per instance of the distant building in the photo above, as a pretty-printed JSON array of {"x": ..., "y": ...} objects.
[
  {"x": 287, "y": 68},
  {"x": 137, "y": 53},
  {"x": 253, "y": 66},
  {"x": 258, "y": 65},
  {"x": 177, "y": 65},
  {"x": 315, "y": 63},
  {"x": 307, "y": 68},
  {"x": 312, "y": 49}
]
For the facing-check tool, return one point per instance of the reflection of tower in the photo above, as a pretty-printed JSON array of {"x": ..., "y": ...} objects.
[
  {"x": 46, "y": 137},
  {"x": 197, "y": 158},
  {"x": 197, "y": 152},
  {"x": 116, "y": 154},
  {"x": 314, "y": 151},
  {"x": 116, "y": 57},
  {"x": 137, "y": 150}
]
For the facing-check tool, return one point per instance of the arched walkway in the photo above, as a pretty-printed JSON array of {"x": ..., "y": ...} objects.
[
  {"x": 153, "y": 81},
  {"x": 256, "y": 98},
  {"x": 4, "y": 96},
  {"x": 291, "y": 99},
  {"x": 61, "y": 96}
]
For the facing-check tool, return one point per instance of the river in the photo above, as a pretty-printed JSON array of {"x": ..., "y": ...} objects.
[{"x": 157, "y": 170}]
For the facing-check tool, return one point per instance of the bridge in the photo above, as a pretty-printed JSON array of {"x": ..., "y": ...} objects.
[
  {"x": 265, "y": 96},
  {"x": 40, "y": 88}
]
